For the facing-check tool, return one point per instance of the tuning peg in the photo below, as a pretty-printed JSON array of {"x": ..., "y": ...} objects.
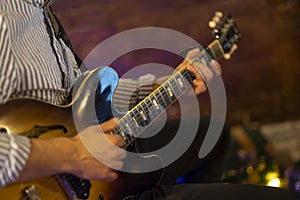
[
  {"x": 212, "y": 24},
  {"x": 233, "y": 48},
  {"x": 227, "y": 56},
  {"x": 219, "y": 14},
  {"x": 215, "y": 20}
]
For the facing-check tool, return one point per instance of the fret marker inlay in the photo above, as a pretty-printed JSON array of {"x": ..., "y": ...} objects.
[
  {"x": 180, "y": 82},
  {"x": 155, "y": 104},
  {"x": 129, "y": 128},
  {"x": 170, "y": 91},
  {"x": 134, "y": 120},
  {"x": 143, "y": 115}
]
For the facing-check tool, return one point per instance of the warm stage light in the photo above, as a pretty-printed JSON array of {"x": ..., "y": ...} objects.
[{"x": 275, "y": 182}]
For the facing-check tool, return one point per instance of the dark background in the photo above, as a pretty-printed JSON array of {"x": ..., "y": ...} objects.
[{"x": 262, "y": 77}]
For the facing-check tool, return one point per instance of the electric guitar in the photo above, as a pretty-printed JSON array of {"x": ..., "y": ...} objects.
[{"x": 34, "y": 118}]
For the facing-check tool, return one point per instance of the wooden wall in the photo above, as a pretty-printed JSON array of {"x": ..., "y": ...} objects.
[{"x": 262, "y": 77}]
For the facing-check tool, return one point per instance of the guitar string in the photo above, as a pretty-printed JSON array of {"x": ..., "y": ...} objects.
[
  {"x": 143, "y": 108},
  {"x": 44, "y": 190},
  {"x": 182, "y": 71},
  {"x": 187, "y": 75},
  {"x": 45, "y": 187},
  {"x": 163, "y": 94},
  {"x": 53, "y": 182}
]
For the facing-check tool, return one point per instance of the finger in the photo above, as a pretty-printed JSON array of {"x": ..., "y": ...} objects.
[
  {"x": 201, "y": 71},
  {"x": 96, "y": 171},
  {"x": 108, "y": 175},
  {"x": 192, "y": 53},
  {"x": 116, "y": 140},
  {"x": 109, "y": 125},
  {"x": 194, "y": 71},
  {"x": 199, "y": 87},
  {"x": 216, "y": 67},
  {"x": 188, "y": 58}
]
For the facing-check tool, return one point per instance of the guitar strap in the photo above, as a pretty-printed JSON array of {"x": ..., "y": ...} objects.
[{"x": 60, "y": 33}]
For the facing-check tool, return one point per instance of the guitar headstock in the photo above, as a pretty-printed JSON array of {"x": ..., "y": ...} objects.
[{"x": 226, "y": 33}]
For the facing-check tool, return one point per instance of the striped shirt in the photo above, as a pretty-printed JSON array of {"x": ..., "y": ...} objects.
[
  {"x": 36, "y": 64},
  {"x": 14, "y": 151},
  {"x": 31, "y": 57}
]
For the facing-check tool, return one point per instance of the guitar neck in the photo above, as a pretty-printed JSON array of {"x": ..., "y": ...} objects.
[{"x": 133, "y": 123}]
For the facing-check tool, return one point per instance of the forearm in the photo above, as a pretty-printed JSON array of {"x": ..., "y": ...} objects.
[
  {"x": 49, "y": 156},
  {"x": 70, "y": 155}
]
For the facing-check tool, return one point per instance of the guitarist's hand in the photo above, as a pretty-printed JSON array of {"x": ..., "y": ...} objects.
[
  {"x": 76, "y": 155},
  {"x": 94, "y": 148},
  {"x": 199, "y": 84}
]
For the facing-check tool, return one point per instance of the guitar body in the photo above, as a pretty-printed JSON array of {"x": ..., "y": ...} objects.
[
  {"x": 126, "y": 185},
  {"x": 34, "y": 118},
  {"x": 92, "y": 104},
  {"x": 44, "y": 188},
  {"x": 51, "y": 188}
]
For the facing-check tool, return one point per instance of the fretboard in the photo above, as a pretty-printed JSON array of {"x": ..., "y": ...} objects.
[{"x": 134, "y": 122}]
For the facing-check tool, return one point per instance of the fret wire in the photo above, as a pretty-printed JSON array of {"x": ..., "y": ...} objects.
[
  {"x": 134, "y": 113},
  {"x": 203, "y": 57},
  {"x": 129, "y": 126},
  {"x": 165, "y": 96},
  {"x": 158, "y": 98},
  {"x": 148, "y": 104},
  {"x": 146, "y": 113},
  {"x": 123, "y": 134},
  {"x": 150, "y": 109},
  {"x": 122, "y": 129},
  {"x": 168, "y": 87},
  {"x": 121, "y": 125},
  {"x": 119, "y": 133},
  {"x": 129, "y": 138},
  {"x": 176, "y": 87},
  {"x": 176, "y": 81},
  {"x": 200, "y": 56},
  {"x": 157, "y": 111},
  {"x": 187, "y": 75},
  {"x": 160, "y": 95},
  {"x": 144, "y": 107},
  {"x": 185, "y": 82},
  {"x": 136, "y": 116},
  {"x": 171, "y": 87},
  {"x": 126, "y": 144},
  {"x": 115, "y": 131},
  {"x": 140, "y": 117},
  {"x": 180, "y": 81},
  {"x": 133, "y": 125},
  {"x": 136, "y": 124}
]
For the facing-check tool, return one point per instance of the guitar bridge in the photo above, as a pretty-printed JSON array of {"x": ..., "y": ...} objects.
[{"x": 74, "y": 187}]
